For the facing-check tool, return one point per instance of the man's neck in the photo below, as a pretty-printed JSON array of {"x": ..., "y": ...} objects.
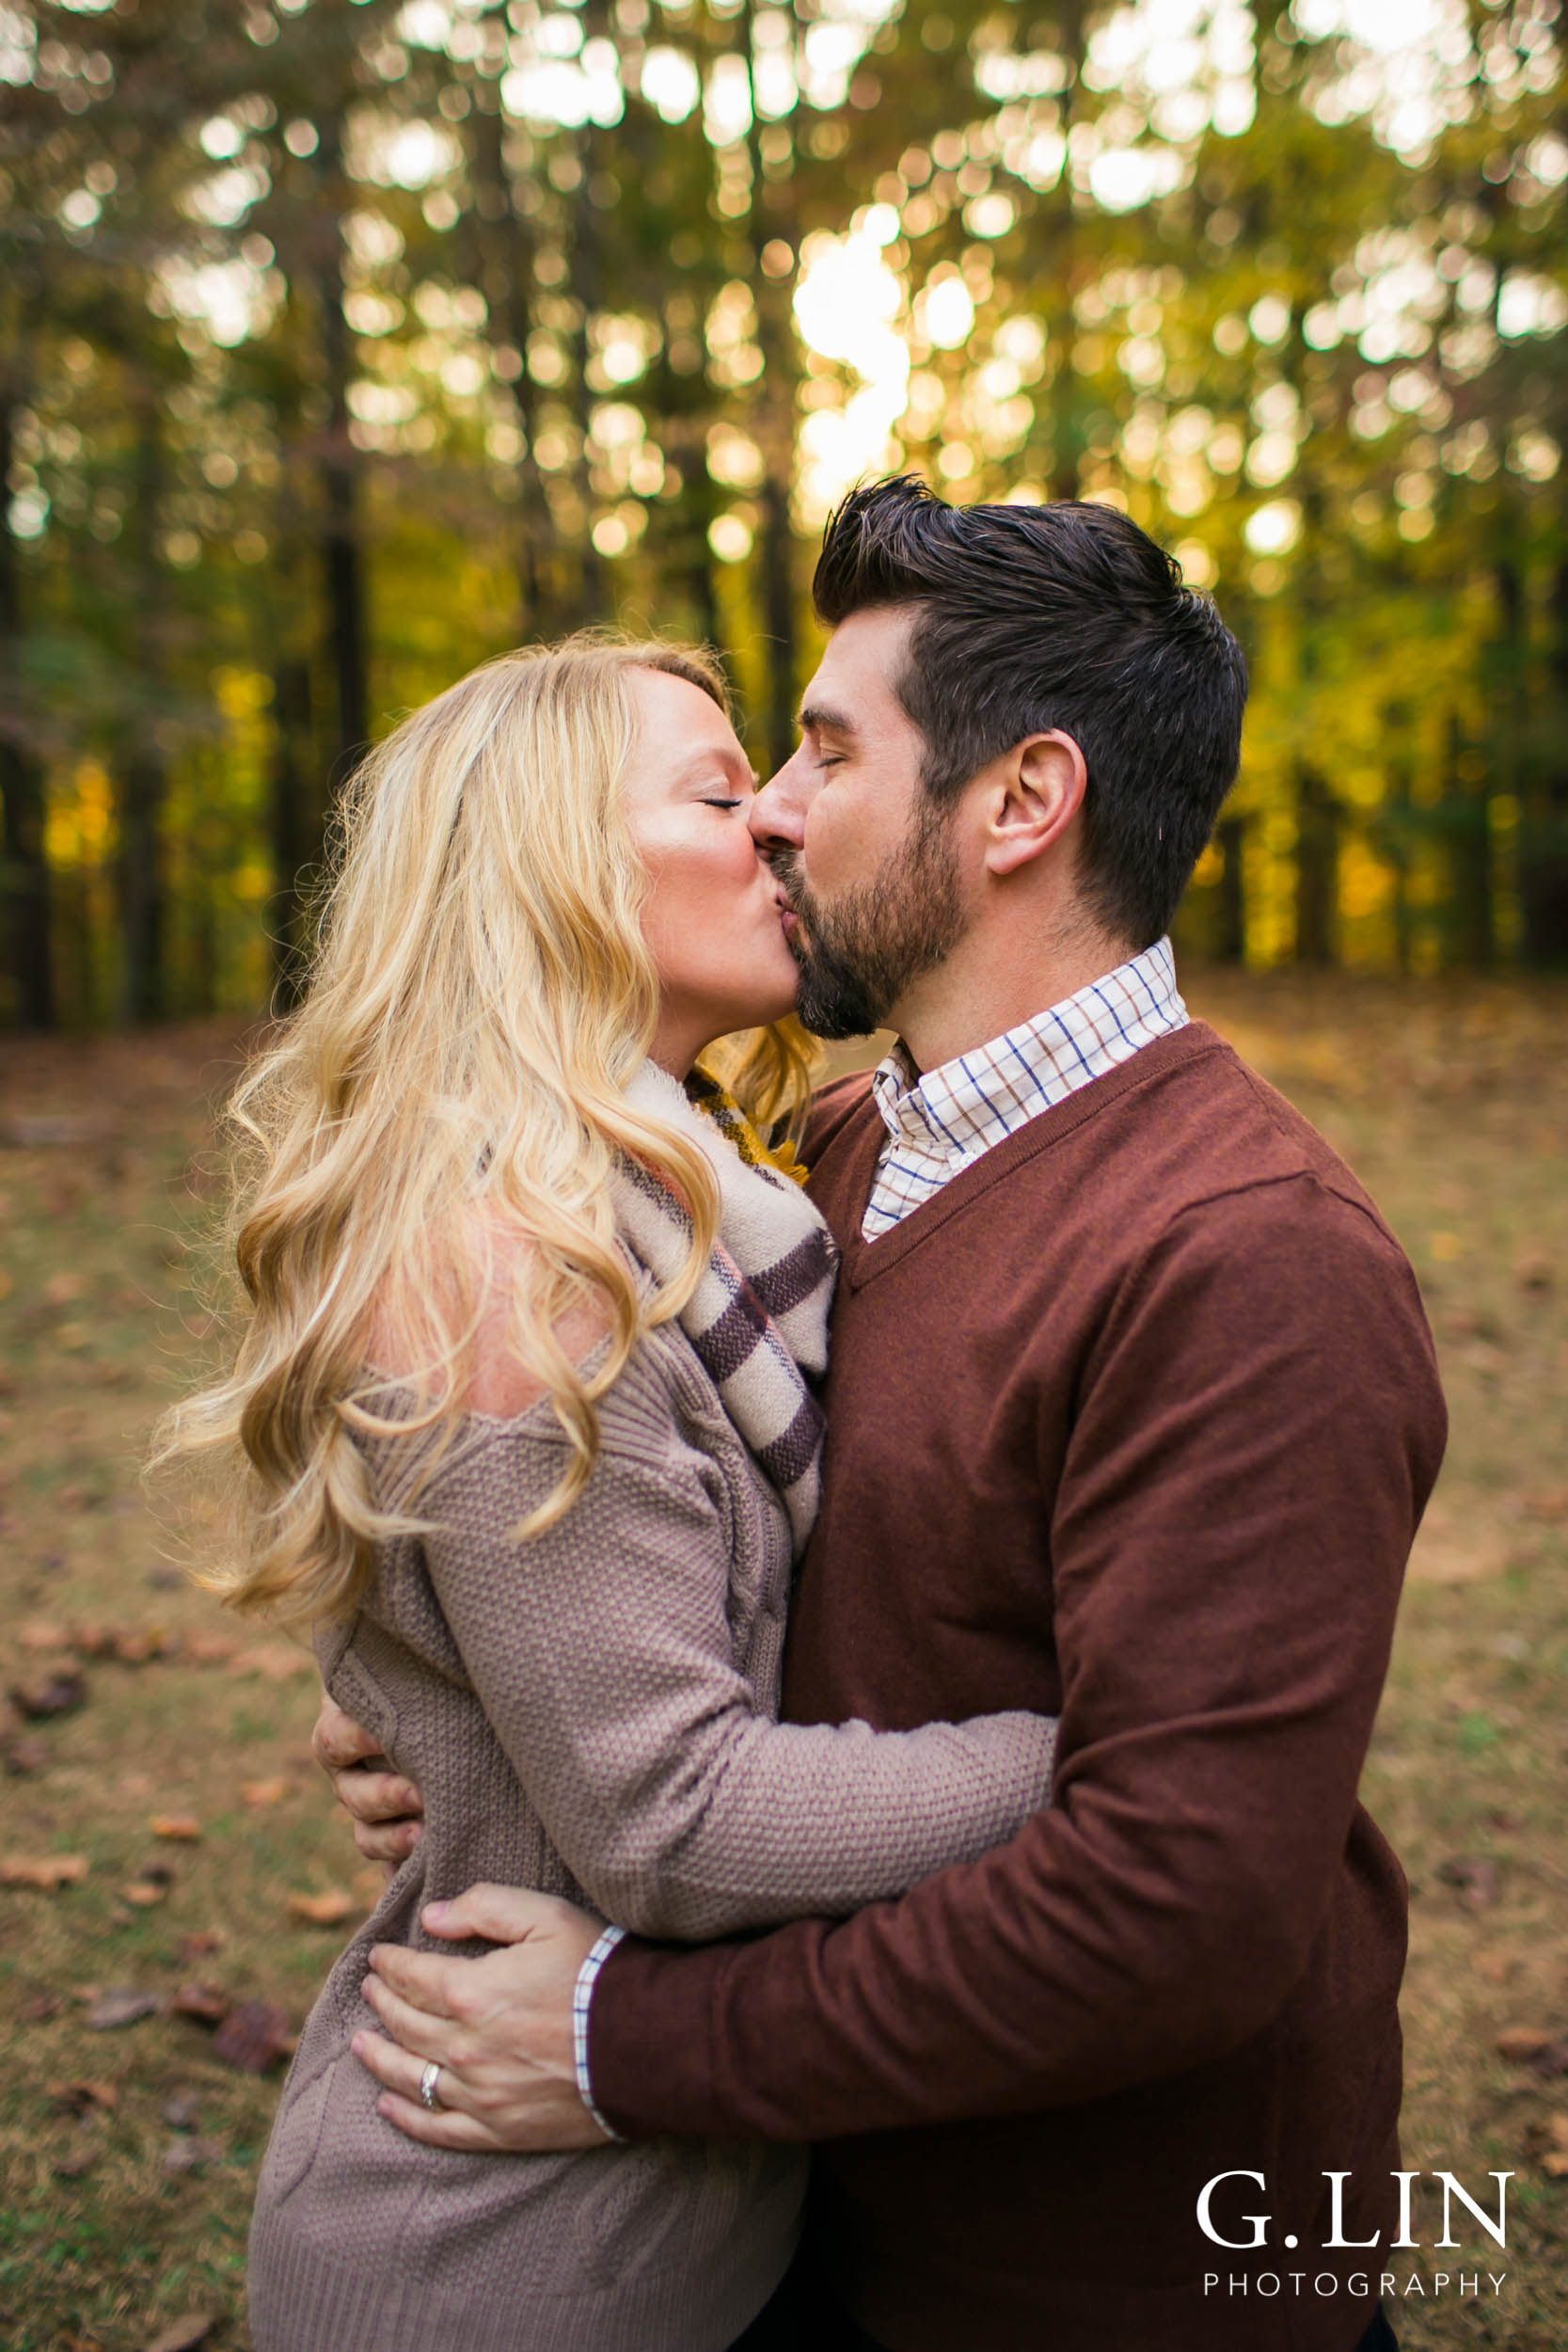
[{"x": 986, "y": 988}]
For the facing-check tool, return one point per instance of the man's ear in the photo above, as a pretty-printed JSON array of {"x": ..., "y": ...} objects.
[{"x": 1037, "y": 791}]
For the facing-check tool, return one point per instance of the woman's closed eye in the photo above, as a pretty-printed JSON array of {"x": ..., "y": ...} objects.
[{"x": 723, "y": 804}]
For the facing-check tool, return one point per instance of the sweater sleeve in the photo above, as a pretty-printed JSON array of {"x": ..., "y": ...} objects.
[
  {"x": 602, "y": 1655},
  {"x": 1260, "y": 1424}
]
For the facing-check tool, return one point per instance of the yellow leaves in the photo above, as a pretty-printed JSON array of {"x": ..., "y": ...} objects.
[{"x": 183, "y": 1828}]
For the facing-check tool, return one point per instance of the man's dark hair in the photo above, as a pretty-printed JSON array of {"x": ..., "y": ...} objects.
[{"x": 1060, "y": 617}]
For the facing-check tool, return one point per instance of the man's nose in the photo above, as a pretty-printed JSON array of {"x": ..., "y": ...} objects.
[{"x": 778, "y": 812}]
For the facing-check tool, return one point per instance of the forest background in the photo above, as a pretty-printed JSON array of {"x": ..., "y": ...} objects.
[{"x": 343, "y": 343}]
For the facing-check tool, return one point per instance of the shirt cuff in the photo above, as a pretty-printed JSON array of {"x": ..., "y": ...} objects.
[{"x": 582, "y": 1997}]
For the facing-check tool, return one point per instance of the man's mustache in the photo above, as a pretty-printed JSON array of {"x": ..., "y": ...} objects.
[{"x": 785, "y": 864}]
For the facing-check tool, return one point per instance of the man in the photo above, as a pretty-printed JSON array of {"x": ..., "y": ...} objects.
[{"x": 1133, "y": 1415}]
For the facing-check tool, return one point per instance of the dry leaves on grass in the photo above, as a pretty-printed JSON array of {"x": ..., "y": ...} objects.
[
  {"x": 260, "y": 1794},
  {"x": 253, "y": 2038},
  {"x": 1534, "y": 2046},
  {"x": 185, "y": 2335},
  {"x": 183, "y": 1828},
  {"x": 88, "y": 2097},
  {"x": 188, "y": 2155},
  {"x": 60, "y": 1693},
  {"x": 123, "y": 2006},
  {"x": 203, "y": 1998},
  {"x": 275, "y": 1662},
  {"x": 1474, "y": 1875},
  {"x": 329, "y": 1909},
  {"x": 47, "y": 1872}
]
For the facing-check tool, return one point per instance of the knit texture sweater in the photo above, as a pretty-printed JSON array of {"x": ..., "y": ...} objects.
[
  {"x": 592, "y": 1714},
  {"x": 1135, "y": 1418}
]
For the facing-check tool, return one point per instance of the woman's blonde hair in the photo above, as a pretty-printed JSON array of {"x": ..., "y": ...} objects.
[{"x": 480, "y": 997}]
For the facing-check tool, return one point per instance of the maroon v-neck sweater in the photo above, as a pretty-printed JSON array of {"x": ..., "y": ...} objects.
[{"x": 1134, "y": 1419}]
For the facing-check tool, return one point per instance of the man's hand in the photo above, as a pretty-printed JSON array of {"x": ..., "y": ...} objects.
[
  {"x": 500, "y": 2027},
  {"x": 385, "y": 1809}
]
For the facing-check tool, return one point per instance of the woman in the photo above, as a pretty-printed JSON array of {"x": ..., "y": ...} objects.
[{"x": 525, "y": 1407}]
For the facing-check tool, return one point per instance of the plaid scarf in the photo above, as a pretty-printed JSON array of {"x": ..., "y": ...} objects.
[{"x": 758, "y": 1317}]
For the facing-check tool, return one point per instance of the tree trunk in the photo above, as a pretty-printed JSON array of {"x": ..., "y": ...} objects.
[
  {"x": 1317, "y": 870},
  {"x": 1471, "y": 875},
  {"x": 295, "y": 820},
  {"x": 341, "y": 545},
  {"x": 504, "y": 251},
  {"x": 1230, "y": 913},
  {"x": 773, "y": 214},
  {"x": 143, "y": 774},
  {"x": 21, "y": 781},
  {"x": 1544, "y": 813},
  {"x": 1066, "y": 412}
]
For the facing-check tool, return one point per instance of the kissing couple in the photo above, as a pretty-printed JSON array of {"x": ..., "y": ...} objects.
[{"x": 864, "y": 1682}]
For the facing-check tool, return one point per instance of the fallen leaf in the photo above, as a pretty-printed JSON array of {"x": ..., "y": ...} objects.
[
  {"x": 79, "y": 2161},
  {"x": 1554, "y": 2161},
  {"x": 46, "y": 1871},
  {"x": 209, "y": 1649},
  {"x": 93, "y": 1639},
  {"x": 61, "y": 1289},
  {"x": 1519, "y": 2042},
  {"x": 41, "y": 1634},
  {"x": 275, "y": 1662},
  {"x": 326, "y": 1910},
  {"x": 198, "y": 1946},
  {"x": 1557, "y": 2127},
  {"x": 253, "y": 2036},
  {"x": 1474, "y": 1875},
  {"x": 263, "y": 1793},
  {"x": 185, "y": 2335},
  {"x": 180, "y": 2112},
  {"x": 57, "y": 1694},
  {"x": 203, "y": 1999},
  {"x": 123, "y": 2007},
  {"x": 185, "y": 2156},
  {"x": 139, "y": 1643},
  {"x": 182, "y": 1827},
  {"x": 85, "y": 2098},
  {"x": 42, "y": 2008},
  {"x": 144, "y": 1893},
  {"x": 25, "y": 1755}
]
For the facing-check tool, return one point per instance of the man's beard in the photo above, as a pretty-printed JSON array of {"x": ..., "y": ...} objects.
[{"x": 860, "y": 955}]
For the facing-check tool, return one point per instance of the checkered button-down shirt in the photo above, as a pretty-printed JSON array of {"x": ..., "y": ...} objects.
[{"x": 938, "y": 1122}]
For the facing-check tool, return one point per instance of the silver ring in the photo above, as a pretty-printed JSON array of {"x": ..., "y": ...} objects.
[{"x": 427, "y": 2081}]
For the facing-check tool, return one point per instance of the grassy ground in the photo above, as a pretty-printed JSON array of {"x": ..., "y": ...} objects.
[{"x": 129, "y": 2151}]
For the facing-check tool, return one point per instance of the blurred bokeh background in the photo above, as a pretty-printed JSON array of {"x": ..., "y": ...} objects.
[
  {"x": 342, "y": 346},
  {"x": 345, "y": 344}
]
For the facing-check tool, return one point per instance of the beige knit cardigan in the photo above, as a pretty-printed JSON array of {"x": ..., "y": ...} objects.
[{"x": 592, "y": 1714}]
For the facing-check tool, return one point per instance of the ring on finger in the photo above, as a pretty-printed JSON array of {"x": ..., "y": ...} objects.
[{"x": 429, "y": 2079}]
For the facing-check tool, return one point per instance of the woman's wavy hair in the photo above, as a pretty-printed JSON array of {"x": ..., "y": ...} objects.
[{"x": 453, "y": 1077}]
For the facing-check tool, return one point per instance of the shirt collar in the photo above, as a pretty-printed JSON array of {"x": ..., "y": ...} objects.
[{"x": 968, "y": 1104}]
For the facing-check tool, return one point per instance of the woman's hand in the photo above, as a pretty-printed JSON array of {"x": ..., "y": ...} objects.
[
  {"x": 385, "y": 1809},
  {"x": 501, "y": 2028}
]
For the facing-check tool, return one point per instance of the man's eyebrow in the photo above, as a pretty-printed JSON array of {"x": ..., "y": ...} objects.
[{"x": 814, "y": 717}]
